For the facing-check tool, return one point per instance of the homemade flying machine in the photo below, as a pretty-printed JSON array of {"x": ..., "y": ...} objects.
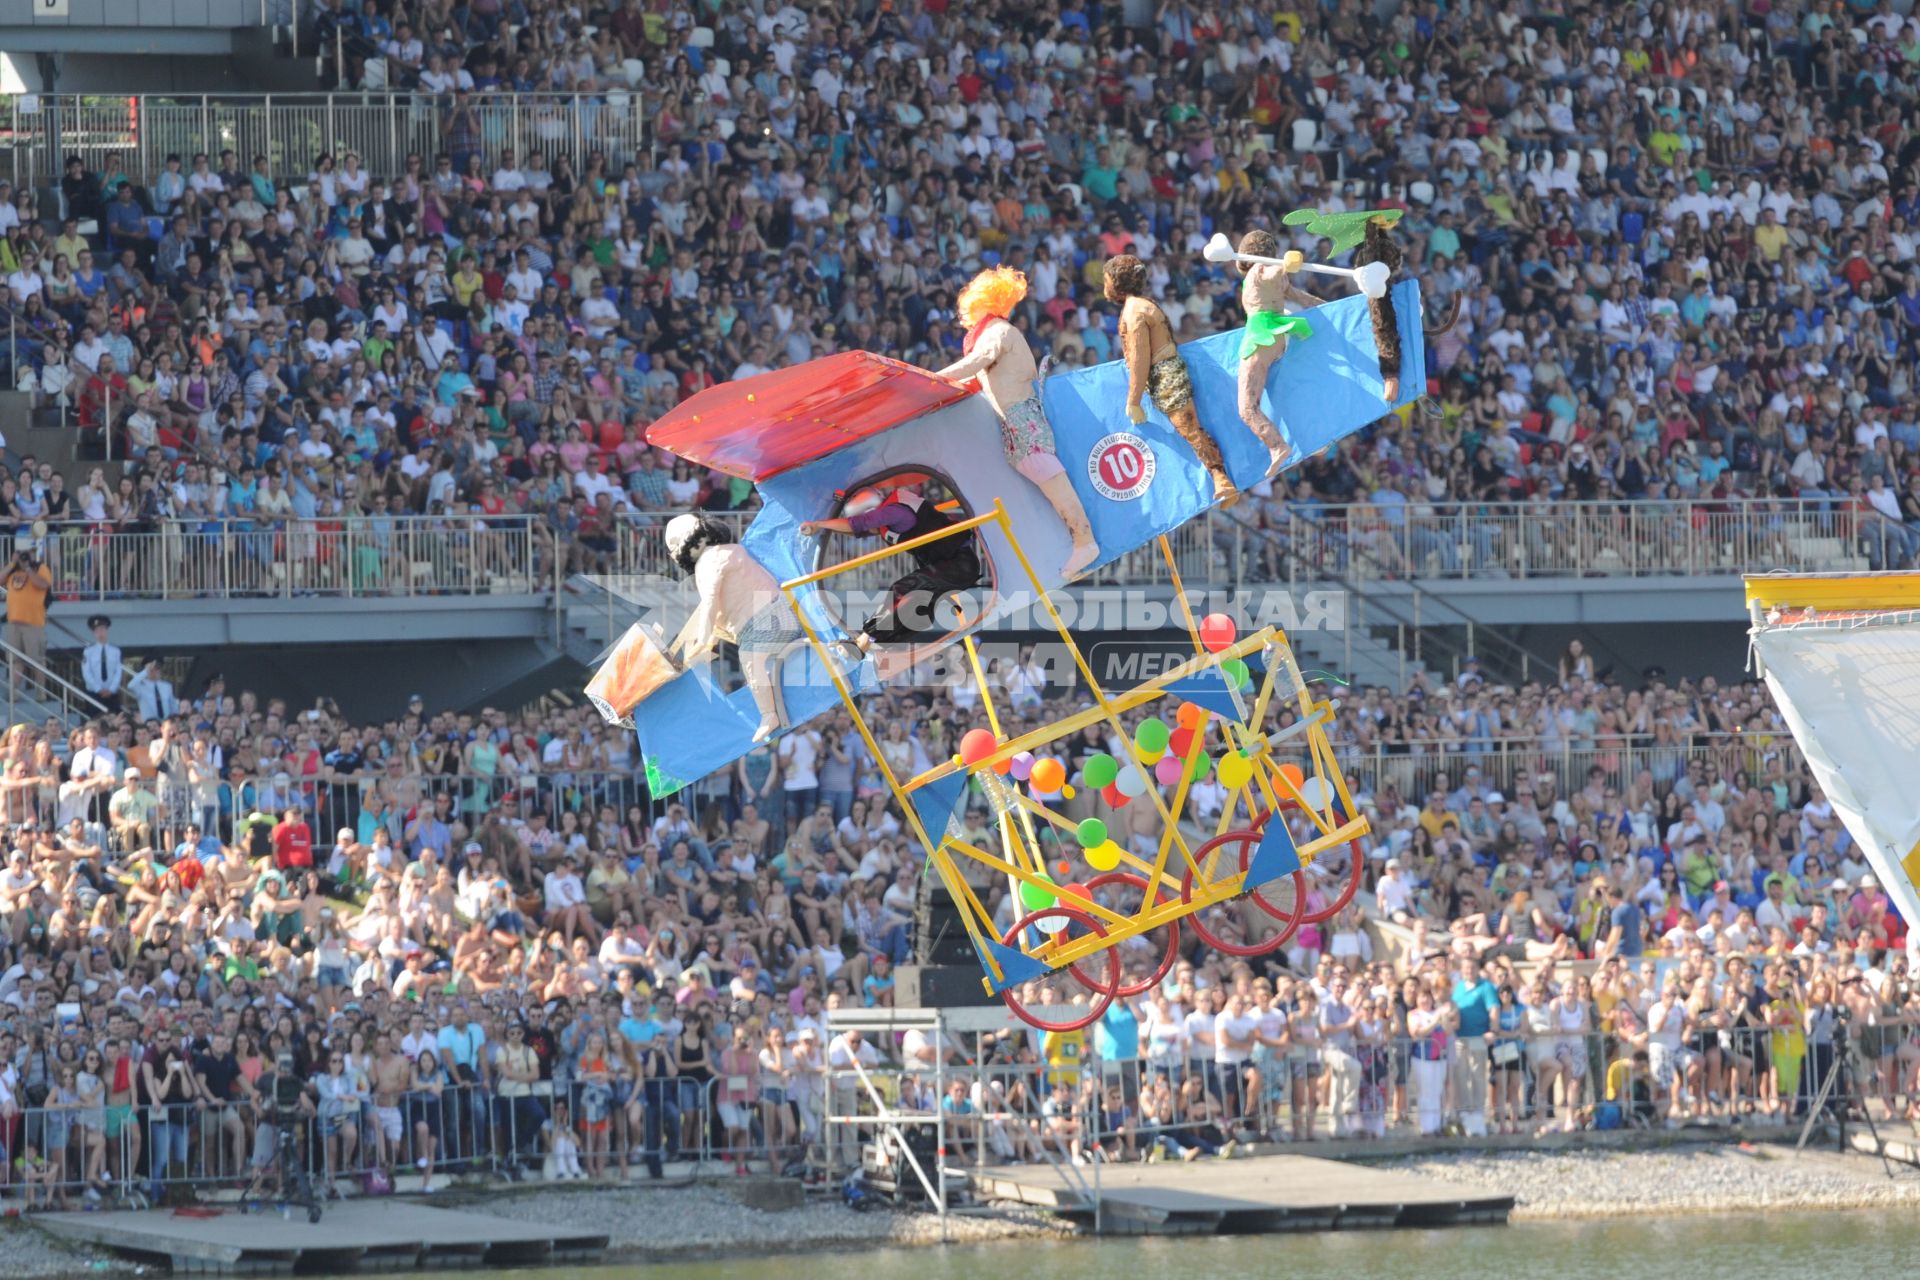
[{"x": 813, "y": 436}]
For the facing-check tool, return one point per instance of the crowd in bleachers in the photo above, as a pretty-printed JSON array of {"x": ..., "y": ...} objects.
[
  {"x": 484, "y": 945},
  {"x": 1678, "y": 234}
]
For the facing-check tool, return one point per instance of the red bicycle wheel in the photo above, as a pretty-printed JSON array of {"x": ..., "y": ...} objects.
[
  {"x": 1248, "y": 840},
  {"x": 1127, "y": 991},
  {"x": 1082, "y": 1016}
]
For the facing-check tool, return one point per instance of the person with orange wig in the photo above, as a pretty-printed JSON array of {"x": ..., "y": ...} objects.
[{"x": 998, "y": 354}]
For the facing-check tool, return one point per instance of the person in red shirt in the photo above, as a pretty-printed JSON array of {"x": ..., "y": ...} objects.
[{"x": 292, "y": 842}]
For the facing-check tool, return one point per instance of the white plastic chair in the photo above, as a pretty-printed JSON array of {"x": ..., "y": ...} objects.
[{"x": 1306, "y": 134}]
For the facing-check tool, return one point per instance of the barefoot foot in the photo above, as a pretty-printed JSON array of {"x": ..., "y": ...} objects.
[
  {"x": 1084, "y": 554},
  {"x": 1393, "y": 390}
]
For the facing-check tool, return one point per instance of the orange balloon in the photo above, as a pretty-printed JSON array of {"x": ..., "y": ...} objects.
[
  {"x": 1048, "y": 774},
  {"x": 1003, "y": 767},
  {"x": 1292, "y": 773},
  {"x": 1191, "y": 715}
]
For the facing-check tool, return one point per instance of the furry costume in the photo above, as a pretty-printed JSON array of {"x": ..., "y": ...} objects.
[{"x": 1378, "y": 246}]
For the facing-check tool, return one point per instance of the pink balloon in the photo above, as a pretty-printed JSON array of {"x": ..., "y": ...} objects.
[{"x": 1166, "y": 771}]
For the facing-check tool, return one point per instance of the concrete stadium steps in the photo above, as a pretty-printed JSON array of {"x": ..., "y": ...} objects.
[
  {"x": 39, "y": 431},
  {"x": 1259, "y": 1195}
]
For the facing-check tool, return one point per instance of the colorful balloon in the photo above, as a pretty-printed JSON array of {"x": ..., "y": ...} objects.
[
  {"x": 1022, "y": 766},
  {"x": 1292, "y": 773},
  {"x": 977, "y": 744},
  {"x": 1104, "y": 856},
  {"x": 1191, "y": 715},
  {"x": 1130, "y": 782},
  {"x": 1074, "y": 889},
  {"x": 1167, "y": 771},
  {"x": 1314, "y": 794},
  {"x": 1038, "y": 897},
  {"x": 1101, "y": 770},
  {"x": 1152, "y": 757},
  {"x": 1048, "y": 775},
  {"x": 1180, "y": 743},
  {"x": 1217, "y": 632},
  {"x": 1199, "y": 767},
  {"x": 1090, "y": 832},
  {"x": 1067, "y": 793},
  {"x": 1236, "y": 770},
  {"x": 1234, "y": 671},
  {"x": 1152, "y": 735},
  {"x": 1113, "y": 796}
]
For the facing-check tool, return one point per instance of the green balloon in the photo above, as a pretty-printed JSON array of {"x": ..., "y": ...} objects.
[
  {"x": 1234, "y": 671},
  {"x": 1101, "y": 770},
  {"x": 1199, "y": 767},
  {"x": 1092, "y": 833},
  {"x": 1152, "y": 735},
  {"x": 1035, "y": 898}
]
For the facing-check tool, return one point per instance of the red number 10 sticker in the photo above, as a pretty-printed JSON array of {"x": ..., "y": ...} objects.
[{"x": 1121, "y": 466}]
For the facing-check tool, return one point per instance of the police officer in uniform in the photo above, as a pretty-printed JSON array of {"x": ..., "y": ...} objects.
[{"x": 102, "y": 667}]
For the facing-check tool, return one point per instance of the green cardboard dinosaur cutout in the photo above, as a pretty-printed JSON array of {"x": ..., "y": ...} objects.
[{"x": 1345, "y": 229}]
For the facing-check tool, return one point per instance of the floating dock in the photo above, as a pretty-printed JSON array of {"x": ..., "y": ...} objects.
[
  {"x": 1249, "y": 1196},
  {"x": 351, "y": 1236}
]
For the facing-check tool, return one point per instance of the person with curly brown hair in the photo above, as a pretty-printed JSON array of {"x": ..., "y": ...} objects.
[{"x": 1154, "y": 368}]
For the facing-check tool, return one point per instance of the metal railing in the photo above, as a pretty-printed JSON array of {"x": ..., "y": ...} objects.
[
  {"x": 353, "y": 556},
  {"x": 382, "y": 128},
  {"x": 66, "y": 1155},
  {"x": 1501, "y": 761},
  {"x": 1294, "y": 542},
  {"x": 34, "y": 690},
  {"x": 1580, "y": 539}
]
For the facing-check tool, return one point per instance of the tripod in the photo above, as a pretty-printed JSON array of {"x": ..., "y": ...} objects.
[{"x": 295, "y": 1184}]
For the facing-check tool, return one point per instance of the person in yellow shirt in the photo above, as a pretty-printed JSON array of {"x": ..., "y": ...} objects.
[
  {"x": 1434, "y": 817},
  {"x": 28, "y": 583},
  {"x": 1064, "y": 1051},
  {"x": 1770, "y": 237}
]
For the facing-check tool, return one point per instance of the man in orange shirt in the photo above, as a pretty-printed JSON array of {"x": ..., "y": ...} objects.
[{"x": 28, "y": 583}]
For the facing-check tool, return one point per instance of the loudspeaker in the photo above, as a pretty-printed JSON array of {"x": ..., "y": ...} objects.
[
  {"x": 939, "y": 934},
  {"x": 941, "y": 986}
]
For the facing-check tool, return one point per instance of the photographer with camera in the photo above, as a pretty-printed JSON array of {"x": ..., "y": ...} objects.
[
  {"x": 28, "y": 584},
  {"x": 282, "y": 1106}
]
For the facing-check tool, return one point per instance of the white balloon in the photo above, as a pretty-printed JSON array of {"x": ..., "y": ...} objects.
[
  {"x": 1131, "y": 781},
  {"x": 1314, "y": 793},
  {"x": 1051, "y": 924}
]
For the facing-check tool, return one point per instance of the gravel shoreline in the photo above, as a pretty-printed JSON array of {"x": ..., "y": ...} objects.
[
  {"x": 657, "y": 1223},
  {"x": 1563, "y": 1185},
  {"x": 654, "y": 1225}
]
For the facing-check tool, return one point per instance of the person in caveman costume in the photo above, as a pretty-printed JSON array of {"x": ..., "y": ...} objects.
[
  {"x": 740, "y": 602},
  {"x": 1268, "y": 296},
  {"x": 997, "y": 353},
  {"x": 1154, "y": 368},
  {"x": 1378, "y": 246}
]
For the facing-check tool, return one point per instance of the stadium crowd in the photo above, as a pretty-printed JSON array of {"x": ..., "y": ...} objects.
[
  {"x": 1680, "y": 237},
  {"x": 476, "y": 943}
]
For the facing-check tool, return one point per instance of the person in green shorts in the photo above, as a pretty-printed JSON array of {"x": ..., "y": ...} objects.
[{"x": 1267, "y": 293}]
